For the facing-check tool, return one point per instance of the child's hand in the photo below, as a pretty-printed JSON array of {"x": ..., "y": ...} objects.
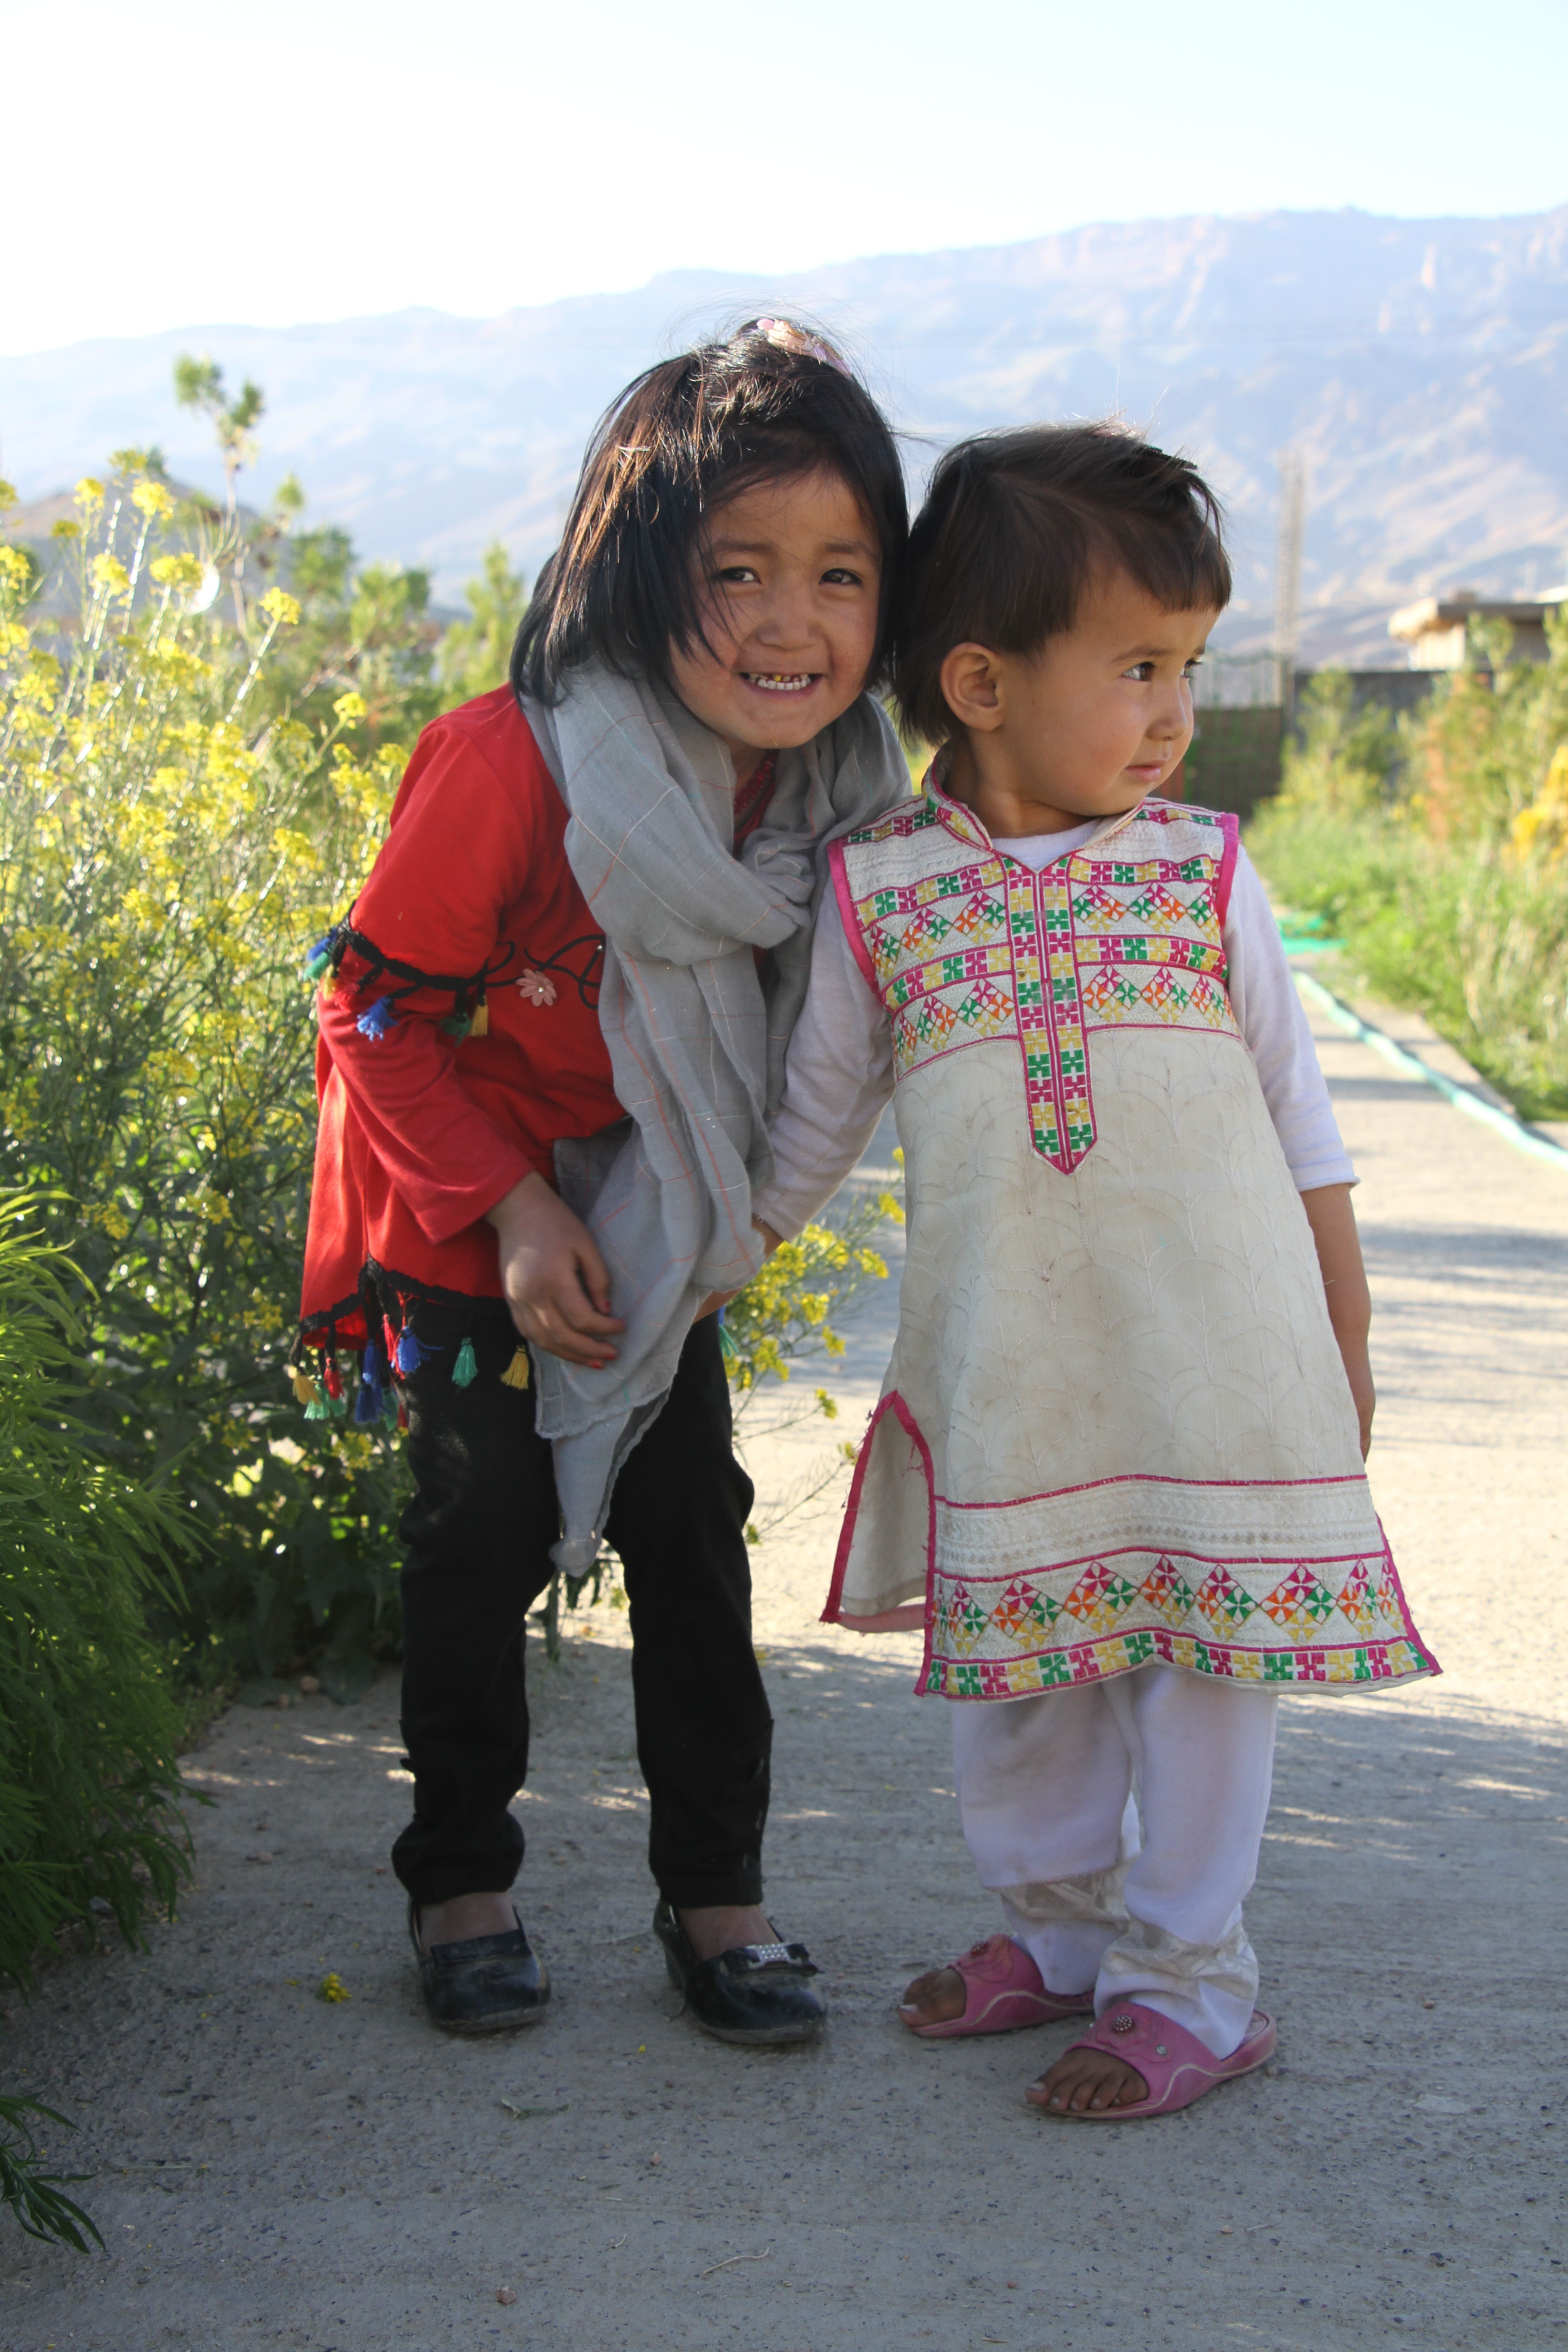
[
  {"x": 553, "y": 1276},
  {"x": 717, "y": 1298}
]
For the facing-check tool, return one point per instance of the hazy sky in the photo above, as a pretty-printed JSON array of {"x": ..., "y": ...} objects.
[{"x": 174, "y": 163}]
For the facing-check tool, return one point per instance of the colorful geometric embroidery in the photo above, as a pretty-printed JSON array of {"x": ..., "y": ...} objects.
[
  {"x": 978, "y": 947},
  {"x": 1058, "y": 1626}
]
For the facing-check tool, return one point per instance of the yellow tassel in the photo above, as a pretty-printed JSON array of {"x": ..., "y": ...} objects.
[
  {"x": 305, "y": 1389},
  {"x": 479, "y": 1026},
  {"x": 516, "y": 1373}
]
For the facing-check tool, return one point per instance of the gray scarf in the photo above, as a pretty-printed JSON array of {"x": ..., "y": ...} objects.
[{"x": 696, "y": 1036}]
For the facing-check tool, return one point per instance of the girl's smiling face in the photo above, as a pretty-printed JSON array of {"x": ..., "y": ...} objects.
[{"x": 792, "y": 579}]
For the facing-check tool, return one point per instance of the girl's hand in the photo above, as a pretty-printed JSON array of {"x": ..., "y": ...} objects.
[
  {"x": 717, "y": 1298},
  {"x": 1332, "y": 1220},
  {"x": 553, "y": 1276}
]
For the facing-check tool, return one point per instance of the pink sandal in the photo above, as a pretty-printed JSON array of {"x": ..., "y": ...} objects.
[
  {"x": 1174, "y": 2063},
  {"x": 1004, "y": 1991}
]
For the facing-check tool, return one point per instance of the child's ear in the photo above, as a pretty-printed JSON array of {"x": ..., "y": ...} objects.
[{"x": 971, "y": 687}]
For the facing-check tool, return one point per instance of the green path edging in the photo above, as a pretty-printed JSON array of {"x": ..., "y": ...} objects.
[{"x": 1504, "y": 1123}]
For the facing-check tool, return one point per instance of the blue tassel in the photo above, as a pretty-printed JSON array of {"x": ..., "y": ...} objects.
[
  {"x": 367, "y": 1404},
  {"x": 411, "y": 1354},
  {"x": 321, "y": 955},
  {"x": 376, "y": 1020}
]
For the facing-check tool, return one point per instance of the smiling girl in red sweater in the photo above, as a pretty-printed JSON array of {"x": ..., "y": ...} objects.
[{"x": 552, "y": 1032}]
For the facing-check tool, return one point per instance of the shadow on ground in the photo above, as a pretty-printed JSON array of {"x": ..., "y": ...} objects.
[{"x": 275, "y": 2169}]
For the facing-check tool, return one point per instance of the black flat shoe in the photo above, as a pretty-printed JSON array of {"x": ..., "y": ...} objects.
[
  {"x": 490, "y": 1984},
  {"x": 757, "y": 1993}
]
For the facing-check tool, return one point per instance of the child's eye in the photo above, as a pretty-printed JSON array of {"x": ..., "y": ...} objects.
[
  {"x": 737, "y": 576},
  {"x": 840, "y": 576},
  {"x": 1143, "y": 671}
]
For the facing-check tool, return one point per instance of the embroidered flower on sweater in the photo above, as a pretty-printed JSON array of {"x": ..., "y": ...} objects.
[{"x": 536, "y": 988}]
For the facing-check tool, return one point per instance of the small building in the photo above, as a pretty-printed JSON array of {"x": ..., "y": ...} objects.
[{"x": 1435, "y": 627}]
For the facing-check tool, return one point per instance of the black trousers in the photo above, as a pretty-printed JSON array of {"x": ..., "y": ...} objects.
[{"x": 478, "y": 1537}]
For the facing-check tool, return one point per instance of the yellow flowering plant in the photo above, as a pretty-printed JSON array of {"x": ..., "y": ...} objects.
[{"x": 171, "y": 838}]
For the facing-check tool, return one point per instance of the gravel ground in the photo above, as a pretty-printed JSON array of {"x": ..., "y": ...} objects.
[{"x": 276, "y": 2170}]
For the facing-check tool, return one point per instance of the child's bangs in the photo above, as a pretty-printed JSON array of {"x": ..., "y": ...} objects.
[{"x": 1184, "y": 570}]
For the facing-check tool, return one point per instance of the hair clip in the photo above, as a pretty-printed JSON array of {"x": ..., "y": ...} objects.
[{"x": 785, "y": 336}]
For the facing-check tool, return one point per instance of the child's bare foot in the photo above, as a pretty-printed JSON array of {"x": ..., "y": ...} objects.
[
  {"x": 1082, "y": 2079},
  {"x": 934, "y": 1998},
  {"x": 459, "y": 1920}
]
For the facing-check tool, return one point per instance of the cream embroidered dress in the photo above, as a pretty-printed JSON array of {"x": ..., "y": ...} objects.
[{"x": 1116, "y": 1427}]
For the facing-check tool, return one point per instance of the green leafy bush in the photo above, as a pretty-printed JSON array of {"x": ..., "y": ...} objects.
[
  {"x": 36, "y": 2197},
  {"x": 1437, "y": 854},
  {"x": 88, "y": 1718},
  {"x": 171, "y": 838}
]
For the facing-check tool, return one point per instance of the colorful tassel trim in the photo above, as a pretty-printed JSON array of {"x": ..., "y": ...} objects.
[
  {"x": 479, "y": 1026},
  {"x": 367, "y": 1404},
  {"x": 456, "y": 1026},
  {"x": 306, "y": 1389},
  {"x": 516, "y": 1375},
  {"x": 332, "y": 1376},
  {"x": 467, "y": 1366},
  {"x": 411, "y": 1353},
  {"x": 376, "y": 1020},
  {"x": 322, "y": 956},
  {"x": 318, "y": 1409},
  {"x": 390, "y": 1417}
]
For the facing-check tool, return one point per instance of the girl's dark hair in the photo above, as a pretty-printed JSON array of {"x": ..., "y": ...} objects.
[
  {"x": 774, "y": 400},
  {"x": 1014, "y": 525}
]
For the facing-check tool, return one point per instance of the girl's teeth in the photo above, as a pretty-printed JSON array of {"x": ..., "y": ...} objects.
[{"x": 782, "y": 681}]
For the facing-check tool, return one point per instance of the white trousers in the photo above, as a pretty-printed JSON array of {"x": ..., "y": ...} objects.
[{"x": 1043, "y": 1786}]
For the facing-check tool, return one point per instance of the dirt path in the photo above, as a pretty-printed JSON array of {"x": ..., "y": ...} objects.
[{"x": 277, "y": 2170}]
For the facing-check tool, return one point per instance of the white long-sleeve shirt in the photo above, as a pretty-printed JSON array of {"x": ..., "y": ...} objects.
[{"x": 839, "y": 1072}]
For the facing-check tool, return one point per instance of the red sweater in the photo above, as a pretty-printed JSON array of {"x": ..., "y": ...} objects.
[{"x": 421, "y": 1132}]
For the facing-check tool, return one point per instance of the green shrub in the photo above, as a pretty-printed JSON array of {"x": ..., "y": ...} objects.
[
  {"x": 171, "y": 841},
  {"x": 88, "y": 1718},
  {"x": 1438, "y": 855},
  {"x": 35, "y": 2196}
]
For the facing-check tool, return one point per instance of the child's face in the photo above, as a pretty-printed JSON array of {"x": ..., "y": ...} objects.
[
  {"x": 791, "y": 585},
  {"x": 1087, "y": 726}
]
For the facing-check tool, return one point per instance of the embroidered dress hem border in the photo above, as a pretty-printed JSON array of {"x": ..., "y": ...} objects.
[{"x": 954, "y": 1620}]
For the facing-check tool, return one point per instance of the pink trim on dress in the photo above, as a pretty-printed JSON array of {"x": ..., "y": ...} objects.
[
  {"x": 1151, "y": 1478},
  {"x": 904, "y": 1619},
  {"x": 1231, "y": 827},
  {"x": 1411, "y": 1636},
  {"x": 850, "y": 920}
]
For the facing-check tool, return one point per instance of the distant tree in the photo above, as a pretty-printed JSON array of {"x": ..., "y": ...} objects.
[
  {"x": 474, "y": 654},
  {"x": 198, "y": 383}
]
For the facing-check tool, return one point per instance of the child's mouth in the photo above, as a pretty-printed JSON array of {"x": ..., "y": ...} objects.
[{"x": 781, "y": 681}]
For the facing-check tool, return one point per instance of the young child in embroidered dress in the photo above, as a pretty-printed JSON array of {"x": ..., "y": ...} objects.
[
  {"x": 552, "y": 1029},
  {"x": 1119, "y": 1452}
]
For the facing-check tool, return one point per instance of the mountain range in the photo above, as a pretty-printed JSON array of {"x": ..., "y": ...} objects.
[{"x": 1421, "y": 366}]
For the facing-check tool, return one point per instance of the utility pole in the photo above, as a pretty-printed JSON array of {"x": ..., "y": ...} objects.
[{"x": 1292, "y": 515}]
